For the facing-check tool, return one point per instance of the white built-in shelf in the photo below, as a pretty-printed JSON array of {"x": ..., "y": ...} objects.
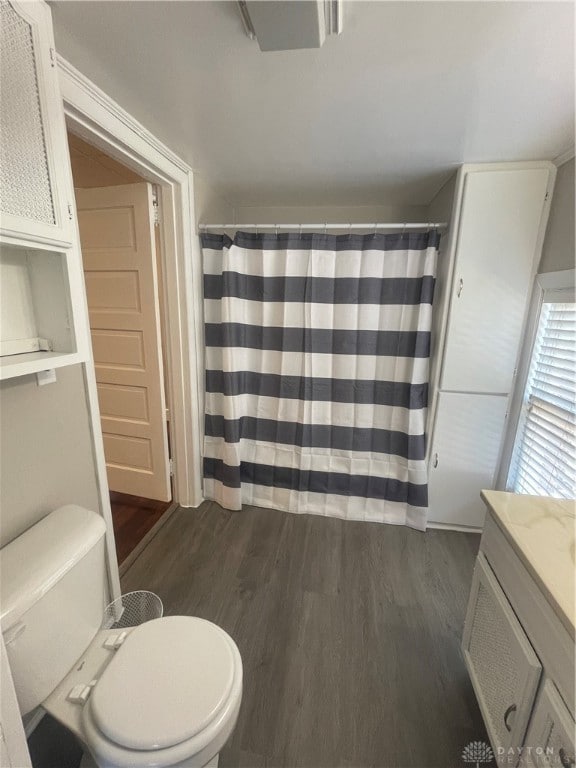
[
  {"x": 37, "y": 329},
  {"x": 34, "y": 362}
]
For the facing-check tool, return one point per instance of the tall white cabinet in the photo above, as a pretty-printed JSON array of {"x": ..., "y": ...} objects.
[
  {"x": 42, "y": 323},
  {"x": 498, "y": 215},
  {"x": 43, "y": 318}
]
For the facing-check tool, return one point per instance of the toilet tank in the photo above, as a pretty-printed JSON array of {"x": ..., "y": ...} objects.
[{"x": 53, "y": 591}]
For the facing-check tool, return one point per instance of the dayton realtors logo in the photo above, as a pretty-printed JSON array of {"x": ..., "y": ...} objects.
[
  {"x": 477, "y": 752},
  {"x": 532, "y": 757}
]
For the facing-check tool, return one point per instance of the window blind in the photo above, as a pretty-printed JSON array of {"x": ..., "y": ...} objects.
[{"x": 544, "y": 460}]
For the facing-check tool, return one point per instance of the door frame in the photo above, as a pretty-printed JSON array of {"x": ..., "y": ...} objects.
[{"x": 95, "y": 117}]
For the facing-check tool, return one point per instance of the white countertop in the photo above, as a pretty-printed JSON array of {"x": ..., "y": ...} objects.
[{"x": 542, "y": 531}]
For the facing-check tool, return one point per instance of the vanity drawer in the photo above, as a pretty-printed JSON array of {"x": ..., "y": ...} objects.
[
  {"x": 548, "y": 635},
  {"x": 501, "y": 662},
  {"x": 551, "y": 731}
]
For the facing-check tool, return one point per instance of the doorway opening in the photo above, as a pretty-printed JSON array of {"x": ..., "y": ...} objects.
[{"x": 118, "y": 213}]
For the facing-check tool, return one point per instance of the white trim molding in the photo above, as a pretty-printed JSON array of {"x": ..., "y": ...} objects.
[
  {"x": 556, "y": 281},
  {"x": 96, "y": 103},
  {"x": 94, "y": 116},
  {"x": 453, "y": 527},
  {"x": 13, "y": 746},
  {"x": 564, "y": 157},
  {"x": 544, "y": 284}
]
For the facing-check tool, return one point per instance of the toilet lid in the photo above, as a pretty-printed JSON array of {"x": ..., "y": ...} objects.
[{"x": 165, "y": 684}]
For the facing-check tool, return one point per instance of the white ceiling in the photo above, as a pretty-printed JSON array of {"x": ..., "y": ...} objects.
[{"x": 380, "y": 114}]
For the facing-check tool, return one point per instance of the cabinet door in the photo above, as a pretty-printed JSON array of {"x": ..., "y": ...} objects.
[
  {"x": 463, "y": 457},
  {"x": 551, "y": 731},
  {"x": 33, "y": 154},
  {"x": 503, "y": 667},
  {"x": 497, "y": 241}
]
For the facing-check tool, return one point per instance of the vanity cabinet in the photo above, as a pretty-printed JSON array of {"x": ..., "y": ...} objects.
[
  {"x": 502, "y": 664},
  {"x": 552, "y": 729},
  {"x": 518, "y": 645}
]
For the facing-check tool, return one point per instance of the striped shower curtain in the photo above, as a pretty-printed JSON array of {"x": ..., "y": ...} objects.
[{"x": 317, "y": 353}]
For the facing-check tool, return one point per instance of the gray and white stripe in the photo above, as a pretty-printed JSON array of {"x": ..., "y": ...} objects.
[{"x": 317, "y": 372}]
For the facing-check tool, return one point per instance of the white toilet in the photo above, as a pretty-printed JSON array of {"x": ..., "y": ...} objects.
[{"x": 166, "y": 693}]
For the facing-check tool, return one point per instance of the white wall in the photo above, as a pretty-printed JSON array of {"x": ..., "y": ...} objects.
[
  {"x": 558, "y": 249},
  {"x": 45, "y": 450},
  {"x": 318, "y": 214},
  {"x": 211, "y": 207}
]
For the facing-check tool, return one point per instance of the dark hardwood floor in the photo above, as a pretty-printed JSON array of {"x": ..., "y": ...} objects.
[
  {"x": 349, "y": 633},
  {"x": 133, "y": 517}
]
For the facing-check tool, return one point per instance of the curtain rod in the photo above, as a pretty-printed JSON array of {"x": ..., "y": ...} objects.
[{"x": 325, "y": 226}]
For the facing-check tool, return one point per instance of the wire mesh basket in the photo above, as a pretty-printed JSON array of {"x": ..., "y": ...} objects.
[{"x": 132, "y": 609}]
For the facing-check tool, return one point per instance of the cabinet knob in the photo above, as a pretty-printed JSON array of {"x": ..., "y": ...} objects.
[
  {"x": 567, "y": 762},
  {"x": 511, "y": 708},
  {"x": 460, "y": 287}
]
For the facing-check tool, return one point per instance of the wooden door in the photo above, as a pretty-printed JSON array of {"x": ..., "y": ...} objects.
[
  {"x": 497, "y": 241},
  {"x": 463, "y": 456},
  {"x": 119, "y": 257}
]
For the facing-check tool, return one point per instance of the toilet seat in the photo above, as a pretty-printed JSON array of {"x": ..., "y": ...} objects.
[
  {"x": 169, "y": 696},
  {"x": 164, "y": 665}
]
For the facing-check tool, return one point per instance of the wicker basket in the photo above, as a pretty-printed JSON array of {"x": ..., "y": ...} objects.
[{"x": 132, "y": 609}]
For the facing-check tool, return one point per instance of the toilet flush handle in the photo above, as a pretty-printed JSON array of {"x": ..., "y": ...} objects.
[
  {"x": 115, "y": 641},
  {"x": 79, "y": 694}
]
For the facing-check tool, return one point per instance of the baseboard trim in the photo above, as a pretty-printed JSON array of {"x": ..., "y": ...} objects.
[
  {"x": 453, "y": 527},
  {"x": 32, "y": 721},
  {"x": 143, "y": 543}
]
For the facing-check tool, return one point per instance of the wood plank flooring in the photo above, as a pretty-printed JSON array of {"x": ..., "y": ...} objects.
[
  {"x": 133, "y": 517},
  {"x": 349, "y": 633}
]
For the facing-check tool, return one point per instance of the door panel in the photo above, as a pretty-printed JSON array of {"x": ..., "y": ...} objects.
[
  {"x": 465, "y": 449},
  {"x": 119, "y": 257},
  {"x": 497, "y": 240},
  {"x": 118, "y": 402},
  {"x": 122, "y": 450},
  {"x": 503, "y": 667},
  {"x": 552, "y": 729},
  {"x": 113, "y": 290},
  {"x": 118, "y": 349}
]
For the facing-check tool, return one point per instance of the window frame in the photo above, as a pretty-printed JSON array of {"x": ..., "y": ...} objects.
[{"x": 549, "y": 286}]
